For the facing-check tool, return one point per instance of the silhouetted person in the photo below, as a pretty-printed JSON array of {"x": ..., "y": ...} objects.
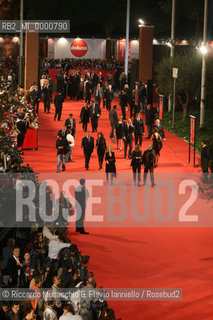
[
  {"x": 88, "y": 145},
  {"x": 81, "y": 197}
]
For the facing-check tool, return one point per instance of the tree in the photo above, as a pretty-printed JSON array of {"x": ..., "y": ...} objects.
[{"x": 188, "y": 82}]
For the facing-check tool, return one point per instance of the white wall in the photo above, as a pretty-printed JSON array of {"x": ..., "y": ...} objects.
[
  {"x": 134, "y": 49},
  {"x": 96, "y": 48}
]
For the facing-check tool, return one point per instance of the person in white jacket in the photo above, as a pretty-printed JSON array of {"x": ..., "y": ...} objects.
[
  {"x": 71, "y": 142},
  {"x": 50, "y": 312},
  {"x": 69, "y": 313}
]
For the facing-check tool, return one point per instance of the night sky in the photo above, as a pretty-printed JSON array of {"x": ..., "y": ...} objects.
[{"x": 107, "y": 18}]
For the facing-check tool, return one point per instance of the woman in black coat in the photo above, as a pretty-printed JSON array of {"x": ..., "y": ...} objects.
[
  {"x": 120, "y": 132},
  {"x": 157, "y": 144},
  {"x": 110, "y": 164},
  {"x": 101, "y": 148},
  {"x": 136, "y": 163},
  {"x": 85, "y": 113}
]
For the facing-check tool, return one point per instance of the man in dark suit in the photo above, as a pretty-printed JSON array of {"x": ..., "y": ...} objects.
[
  {"x": 22, "y": 127},
  {"x": 58, "y": 102},
  {"x": 113, "y": 117},
  {"x": 123, "y": 103},
  {"x": 36, "y": 97},
  {"x": 160, "y": 129},
  {"x": 4, "y": 310},
  {"x": 15, "y": 312},
  {"x": 81, "y": 196},
  {"x": 71, "y": 124},
  {"x": 88, "y": 145},
  {"x": 98, "y": 93},
  {"x": 46, "y": 97},
  {"x": 63, "y": 132},
  {"x": 13, "y": 269},
  {"x": 149, "y": 164},
  {"x": 62, "y": 149},
  {"x": 139, "y": 129},
  {"x": 109, "y": 97},
  {"x": 204, "y": 157},
  {"x": 149, "y": 119},
  {"x": 50, "y": 87},
  {"x": 100, "y": 79},
  {"x": 128, "y": 137},
  {"x": 87, "y": 90},
  {"x": 95, "y": 112}
]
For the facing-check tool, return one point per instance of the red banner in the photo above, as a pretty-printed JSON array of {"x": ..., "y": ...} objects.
[
  {"x": 161, "y": 107},
  {"x": 192, "y": 129},
  {"x": 121, "y": 45},
  {"x": 136, "y": 94},
  {"x": 31, "y": 140}
]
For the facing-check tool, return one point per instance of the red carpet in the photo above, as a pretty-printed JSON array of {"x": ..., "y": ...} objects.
[{"x": 138, "y": 257}]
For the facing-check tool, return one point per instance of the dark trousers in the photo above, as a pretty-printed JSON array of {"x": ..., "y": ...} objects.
[
  {"x": 112, "y": 133},
  {"x": 87, "y": 97},
  {"x": 73, "y": 132},
  {"x": 47, "y": 106},
  {"x": 136, "y": 169},
  {"x": 123, "y": 109},
  {"x": 36, "y": 106},
  {"x": 100, "y": 157},
  {"x": 108, "y": 105},
  {"x": 94, "y": 123},
  {"x": 111, "y": 174},
  {"x": 126, "y": 144},
  {"x": 20, "y": 140},
  {"x": 151, "y": 170},
  {"x": 149, "y": 130},
  {"x": 85, "y": 125},
  {"x": 58, "y": 113},
  {"x": 138, "y": 138},
  {"x": 87, "y": 156},
  {"x": 98, "y": 98},
  {"x": 80, "y": 215}
]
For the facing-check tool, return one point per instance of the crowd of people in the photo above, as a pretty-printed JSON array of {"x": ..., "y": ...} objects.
[
  {"x": 18, "y": 116},
  {"x": 81, "y": 64},
  {"x": 45, "y": 258},
  {"x": 38, "y": 257},
  {"x": 99, "y": 94}
]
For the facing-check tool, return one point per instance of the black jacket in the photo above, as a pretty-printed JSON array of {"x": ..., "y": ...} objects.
[
  {"x": 97, "y": 110},
  {"x": 149, "y": 116},
  {"x": 160, "y": 131},
  {"x": 128, "y": 132},
  {"x": 36, "y": 95},
  {"x": 68, "y": 124},
  {"x": 136, "y": 162},
  {"x": 58, "y": 101},
  {"x": 113, "y": 117},
  {"x": 138, "y": 125},
  {"x": 110, "y": 167},
  {"x": 88, "y": 145},
  {"x": 85, "y": 114},
  {"x": 12, "y": 270},
  {"x": 109, "y": 94},
  {"x": 123, "y": 99},
  {"x": 62, "y": 143},
  {"x": 149, "y": 159}
]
